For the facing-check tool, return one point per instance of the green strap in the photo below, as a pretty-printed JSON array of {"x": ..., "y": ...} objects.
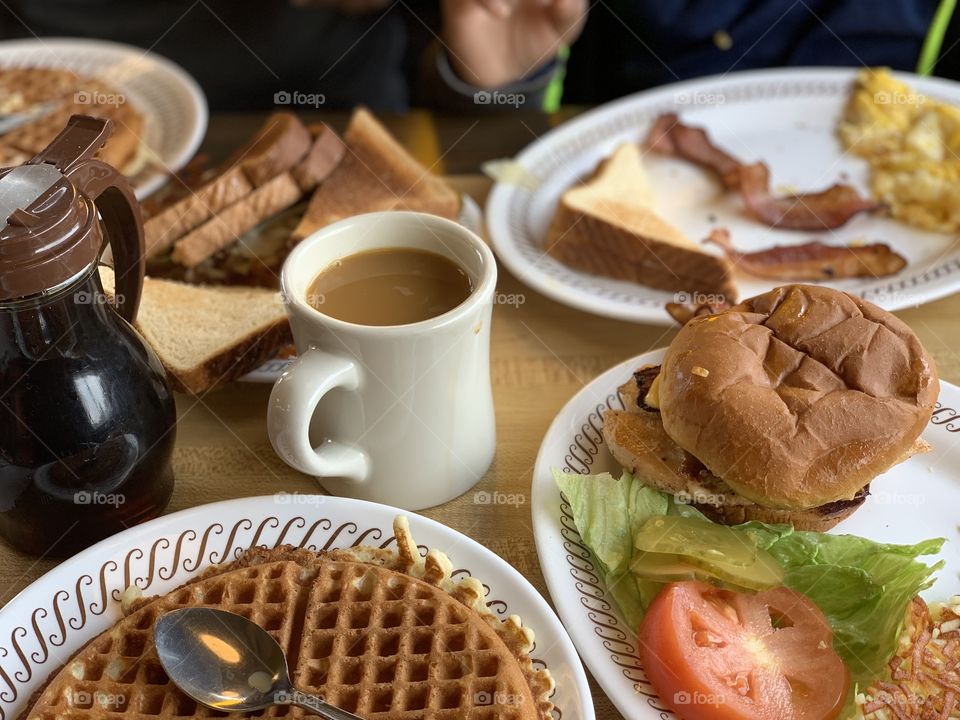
[
  {"x": 554, "y": 92},
  {"x": 930, "y": 52}
]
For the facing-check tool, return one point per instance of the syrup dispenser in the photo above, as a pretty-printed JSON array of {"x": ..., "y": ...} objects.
[{"x": 87, "y": 418}]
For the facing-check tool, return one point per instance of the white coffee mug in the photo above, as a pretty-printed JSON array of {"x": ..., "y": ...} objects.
[{"x": 399, "y": 414}]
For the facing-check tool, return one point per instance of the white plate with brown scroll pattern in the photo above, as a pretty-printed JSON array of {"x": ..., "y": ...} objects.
[
  {"x": 786, "y": 117},
  {"x": 926, "y": 487},
  {"x": 172, "y": 103},
  {"x": 55, "y": 616}
]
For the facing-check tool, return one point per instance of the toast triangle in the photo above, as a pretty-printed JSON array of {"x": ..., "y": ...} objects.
[
  {"x": 607, "y": 227},
  {"x": 376, "y": 173},
  {"x": 204, "y": 335}
]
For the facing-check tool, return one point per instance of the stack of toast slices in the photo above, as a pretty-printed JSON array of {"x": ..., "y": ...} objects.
[
  {"x": 380, "y": 633},
  {"x": 209, "y": 334},
  {"x": 607, "y": 226},
  {"x": 272, "y": 172}
]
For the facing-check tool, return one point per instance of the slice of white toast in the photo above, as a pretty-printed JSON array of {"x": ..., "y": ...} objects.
[
  {"x": 206, "y": 336},
  {"x": 607, "y": 226},
  {"x": 376, "y": 173}
]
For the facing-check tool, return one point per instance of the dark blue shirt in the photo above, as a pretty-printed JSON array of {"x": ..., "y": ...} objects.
[{"x": 629, "y": 45}]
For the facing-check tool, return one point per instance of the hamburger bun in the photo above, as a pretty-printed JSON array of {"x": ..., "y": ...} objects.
[
  {"x": 637, "y": 441},
  {"x": 799, "y": 397}
]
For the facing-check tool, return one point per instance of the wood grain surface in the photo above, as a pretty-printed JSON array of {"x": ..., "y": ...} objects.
[{"x": 542, "y": 354}]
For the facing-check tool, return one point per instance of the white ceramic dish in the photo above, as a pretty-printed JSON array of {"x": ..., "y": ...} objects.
[
  {"x": 54, "y": 617},
  {"x": 915, "y": 500},
  {"x": 786, "y": 117},
  {"x": 173, "y": 105}
]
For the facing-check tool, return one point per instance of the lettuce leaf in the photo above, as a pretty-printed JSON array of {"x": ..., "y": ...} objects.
[
  {"x": 607, "y": 513},
  {"x": 861, "y": 586}
]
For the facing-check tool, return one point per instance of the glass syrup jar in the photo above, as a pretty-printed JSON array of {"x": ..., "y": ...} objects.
[{"x": 87, "y": 418}]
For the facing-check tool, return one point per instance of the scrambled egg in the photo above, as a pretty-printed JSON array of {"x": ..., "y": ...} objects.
[{"x": 912, "y": 143}]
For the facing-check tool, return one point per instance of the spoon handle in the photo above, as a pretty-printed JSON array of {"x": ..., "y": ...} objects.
[{"x": 320, "y": 706}]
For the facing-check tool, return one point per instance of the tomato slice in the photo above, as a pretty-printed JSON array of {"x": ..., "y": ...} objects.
[{"x": 715, "y": 654}]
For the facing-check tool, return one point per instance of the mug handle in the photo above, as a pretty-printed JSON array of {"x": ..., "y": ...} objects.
[{"x": 293, "y": 402}]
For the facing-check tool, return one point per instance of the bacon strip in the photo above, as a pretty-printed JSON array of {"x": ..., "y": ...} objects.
[
  {"x": 813, "y": 260},
  {"x": 669, "y": 136},
  {"x": 823, "y": 210}
]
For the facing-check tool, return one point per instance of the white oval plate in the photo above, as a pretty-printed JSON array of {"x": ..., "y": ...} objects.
[
  {"x": 786, "y": 117},
  {"x": 173, "y": 105},
  {"x": 914, "y": 501},
  {"x": 471, "y": 217},
  {"x": 55, "y": 616}
]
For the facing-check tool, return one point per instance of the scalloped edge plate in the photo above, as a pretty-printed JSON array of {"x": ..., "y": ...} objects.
[
  {"x": 786, "y": 117},
  {"x": 606, "y": 644},
  {"x": 173, "y": 105},
  {"x": 43, "y": 626}
]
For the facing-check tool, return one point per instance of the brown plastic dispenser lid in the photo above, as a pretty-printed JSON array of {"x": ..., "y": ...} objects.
[{"x": 59, "y": 234}]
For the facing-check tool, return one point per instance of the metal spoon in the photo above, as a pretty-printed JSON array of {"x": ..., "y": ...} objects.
[{"x": 227, "y": 662}]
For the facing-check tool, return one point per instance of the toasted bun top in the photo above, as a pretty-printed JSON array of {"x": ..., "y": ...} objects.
[{"x": 797, "y": 397}]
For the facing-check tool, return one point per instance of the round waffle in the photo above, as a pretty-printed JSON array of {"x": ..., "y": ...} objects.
[
  {"x": 383, "y": 634},
  {"x": 119, "y": 673}
]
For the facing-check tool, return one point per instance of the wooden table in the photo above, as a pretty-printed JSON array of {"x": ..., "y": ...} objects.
[{"x": 542, "y": 353}]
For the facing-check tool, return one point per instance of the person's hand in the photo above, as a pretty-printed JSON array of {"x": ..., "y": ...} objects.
[{"x": 491, "y": 43}]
